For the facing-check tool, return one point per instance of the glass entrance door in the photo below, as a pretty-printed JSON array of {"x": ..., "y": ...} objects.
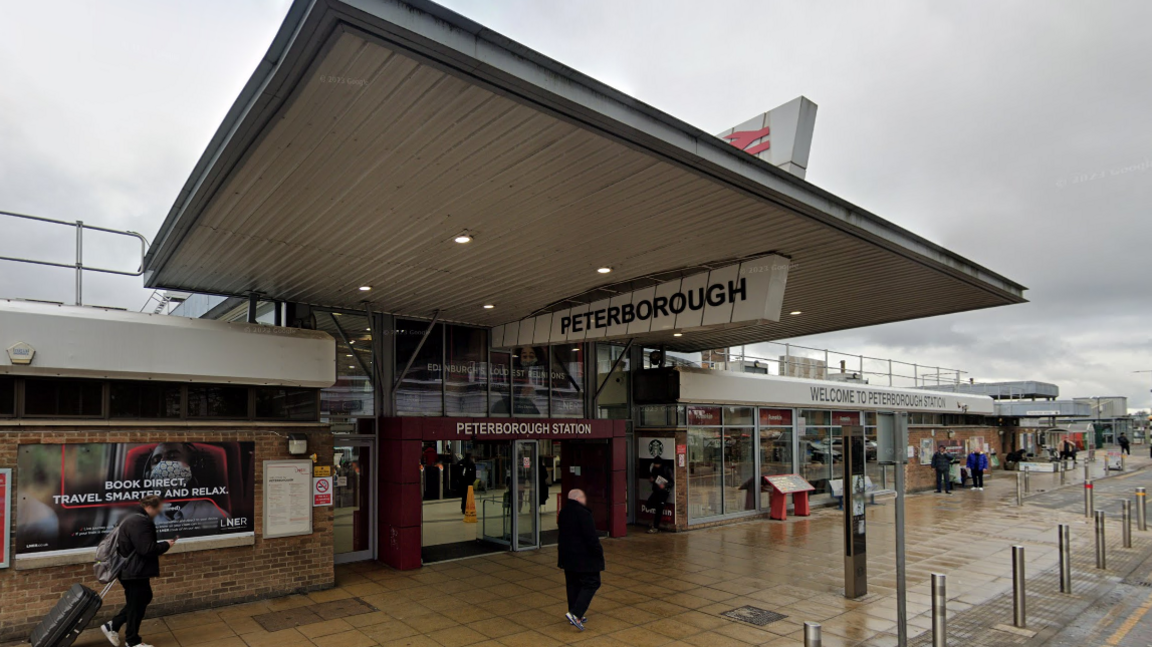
[
  {"x": 353, "y": 480},
  {"x": 526, "y": 520}
]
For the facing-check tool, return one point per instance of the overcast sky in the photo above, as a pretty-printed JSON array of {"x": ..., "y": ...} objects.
[{"x": 1018, "y": 135}]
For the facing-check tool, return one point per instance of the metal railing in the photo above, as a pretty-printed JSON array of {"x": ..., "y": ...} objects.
[
  {"x": 79, "y": 265},
  {"x": 826, "y": 364}
]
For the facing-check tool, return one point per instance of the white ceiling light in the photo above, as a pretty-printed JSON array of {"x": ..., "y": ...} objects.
[
  {"x": 794, "y": 312},
  {"x": 365, "y": 288},
  {"x": 488, "y": 306},
  {"x": 463, "y": 239},
  {"x": 677, "y": 334},
  {"x": 604, "y": 270}
]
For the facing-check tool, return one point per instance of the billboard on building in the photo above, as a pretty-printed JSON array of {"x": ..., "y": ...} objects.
[{"x": 70, "y": 496}]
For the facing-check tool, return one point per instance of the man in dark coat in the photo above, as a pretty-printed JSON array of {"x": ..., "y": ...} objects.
[
  {"x": 942, "y": 463},
  {"x": 137, "y": 542},
  {"x": 661, "y": 479},
  {"x": 467, "y": 478},
  {"x": 581, "y": 556},
  {"x": 1125, "y": 444}
]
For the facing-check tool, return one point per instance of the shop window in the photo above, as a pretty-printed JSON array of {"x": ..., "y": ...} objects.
[
  {"x": 466, "y": 383},
  {"x": 352, "y": 396},
  {"x": 420, "y": 392},
  {"x": 530, "y": 381},
  {"x": 612, "y": 401},
  {"x": 740, "y": 482},
  {"x": 63, "y": 398},
  {"x": 500, "y": 383},
  {"x": 739, "y": 416},
  {"x": 143, "y": 400},
  {"x": 662, "y": 415},
  {"x": 211, "y": 401},
  {"x": 275, "y": 403},
  {"x": 816, "y": 418},
  {"x": 705, "y": 472},
  {"x": 7, "y": 396},
  {"x": 567, "y": 377},
  {"x": 703, "y": 416}
]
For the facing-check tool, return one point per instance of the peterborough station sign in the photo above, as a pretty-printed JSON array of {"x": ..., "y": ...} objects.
[{"x": 742, "y": 294}]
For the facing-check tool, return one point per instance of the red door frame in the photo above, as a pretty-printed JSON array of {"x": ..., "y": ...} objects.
[{"x": 401, "y": 439}]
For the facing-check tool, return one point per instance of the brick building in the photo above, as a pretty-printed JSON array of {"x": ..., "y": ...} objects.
[{"x": 115, "y": 405}]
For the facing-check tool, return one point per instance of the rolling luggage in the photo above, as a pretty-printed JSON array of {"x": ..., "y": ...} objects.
[{"x": 69, "y": 617}]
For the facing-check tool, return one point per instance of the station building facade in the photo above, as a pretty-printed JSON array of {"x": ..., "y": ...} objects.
[{"x": 490, "y": 246}]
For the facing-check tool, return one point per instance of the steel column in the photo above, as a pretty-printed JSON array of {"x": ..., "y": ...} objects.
[
  {"x": 1019, "y": 489},
  {"x": 1019, "y": 612},
  {"x": 939, "y": 610},
  {"x": 79, "y": 262},
  {"x": 1126, "y": 520},
  {"x": 1088, "y": 498},
  {"x": 811, "y": 634},
  {"x": 1027, "y": 480},
  {"x": 1141, "y": 511},
  {"x": 1065, "y": 540},
  {"x": 1101, "y": 556}
]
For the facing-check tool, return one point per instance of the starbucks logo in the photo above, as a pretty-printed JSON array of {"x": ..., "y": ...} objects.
[{"x": 655, "y": 448}]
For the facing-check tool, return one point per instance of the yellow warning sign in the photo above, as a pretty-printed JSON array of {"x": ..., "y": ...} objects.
[
  {"x": 470, "y": 507},
  {"x": 321, "y": 471}
]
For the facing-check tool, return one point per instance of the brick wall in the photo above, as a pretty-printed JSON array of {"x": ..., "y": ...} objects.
[
  {"x": 189, "y": 581},
  {"x": 922, "y": 477}
]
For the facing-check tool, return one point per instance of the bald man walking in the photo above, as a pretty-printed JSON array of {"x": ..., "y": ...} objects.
[{"x": 581, "y": 556}]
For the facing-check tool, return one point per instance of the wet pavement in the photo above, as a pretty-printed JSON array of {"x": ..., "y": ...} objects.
[{"x": 671, "y": 590}]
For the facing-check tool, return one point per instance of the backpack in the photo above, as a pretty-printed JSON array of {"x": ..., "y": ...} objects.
[{"x": 109, "y": 561}]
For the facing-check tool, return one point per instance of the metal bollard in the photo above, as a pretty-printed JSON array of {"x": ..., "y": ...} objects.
[
  {"x": 1018, "y": 601},
  {"x": 1065, "y": 540},
  {"x": 1027, "y": 480},
  {"x": 1141, "y": 511},
  {"x": 1019, "y": 489},
  {"x": 1063, "y": 472},
  {"x": 1126, "y": 520},
  {"x": 1088, "y": 498},
  {"x": 1123, "y": 462},
  {"x": 811, "y": 634},
  {"x": 1087, "y": 472},
  {"x": 1101, "y": 558},
  {"x": 939, "y": 611}
]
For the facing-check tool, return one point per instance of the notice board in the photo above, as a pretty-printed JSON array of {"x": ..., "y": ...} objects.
[{"x": 287, "y": 498}]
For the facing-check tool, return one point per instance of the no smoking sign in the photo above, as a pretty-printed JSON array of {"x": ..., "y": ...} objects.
[{"x": 322, "y": 491}]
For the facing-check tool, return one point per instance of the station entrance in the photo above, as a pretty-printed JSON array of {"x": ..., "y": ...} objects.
[
  {"x": 520, "y": 472},
  {"x": 518, "y": 489}
]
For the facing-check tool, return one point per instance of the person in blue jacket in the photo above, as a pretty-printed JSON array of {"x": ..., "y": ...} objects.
[{"x": 977, "y": 465}]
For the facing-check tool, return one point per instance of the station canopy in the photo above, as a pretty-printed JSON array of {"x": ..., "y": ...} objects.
[{"x": 374, "y": 133}]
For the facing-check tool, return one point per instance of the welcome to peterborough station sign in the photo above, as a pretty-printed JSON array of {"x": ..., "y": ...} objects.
[{"x": 741, "y": 294}]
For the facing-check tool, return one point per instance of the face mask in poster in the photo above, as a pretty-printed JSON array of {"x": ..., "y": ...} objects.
[{"x": 72, "y": 495}]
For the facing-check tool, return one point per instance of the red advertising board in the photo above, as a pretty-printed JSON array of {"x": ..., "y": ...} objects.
[{"x": 775, "y": 417}]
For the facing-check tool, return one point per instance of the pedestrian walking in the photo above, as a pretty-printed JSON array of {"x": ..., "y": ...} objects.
[
  {"x": 942, "y": 463},
  {"x": 467, "y": 478},
  {"x": 580, "y": 556},
  {"x": 661, "y": 477},
  {"x": 138, "y": 545},
  {"x": 977, "y": 465},
  {"x": 1125, "y": 444}
]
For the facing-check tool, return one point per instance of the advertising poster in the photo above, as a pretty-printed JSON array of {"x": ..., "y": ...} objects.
[
  {"x": 72, "y": 495},
  {"x": 648, "y": 450}
]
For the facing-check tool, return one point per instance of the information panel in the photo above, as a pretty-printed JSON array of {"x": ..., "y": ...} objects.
[
  {"x": 789, "y": 483},
  {"x": 5, "y": 516},
  {"x": 287, "y": 498}
]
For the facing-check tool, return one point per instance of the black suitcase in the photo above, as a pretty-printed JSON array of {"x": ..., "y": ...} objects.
[{"x": 69, "y": 617}]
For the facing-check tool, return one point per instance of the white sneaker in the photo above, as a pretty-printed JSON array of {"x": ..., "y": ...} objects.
[{"x": 112, "y": 636}]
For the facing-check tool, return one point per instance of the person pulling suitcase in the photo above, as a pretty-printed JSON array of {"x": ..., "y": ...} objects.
[{"x": 137, "y": 543}]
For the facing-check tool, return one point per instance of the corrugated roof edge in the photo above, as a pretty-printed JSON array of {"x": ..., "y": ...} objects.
[{"x": 418, "y": 22}]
